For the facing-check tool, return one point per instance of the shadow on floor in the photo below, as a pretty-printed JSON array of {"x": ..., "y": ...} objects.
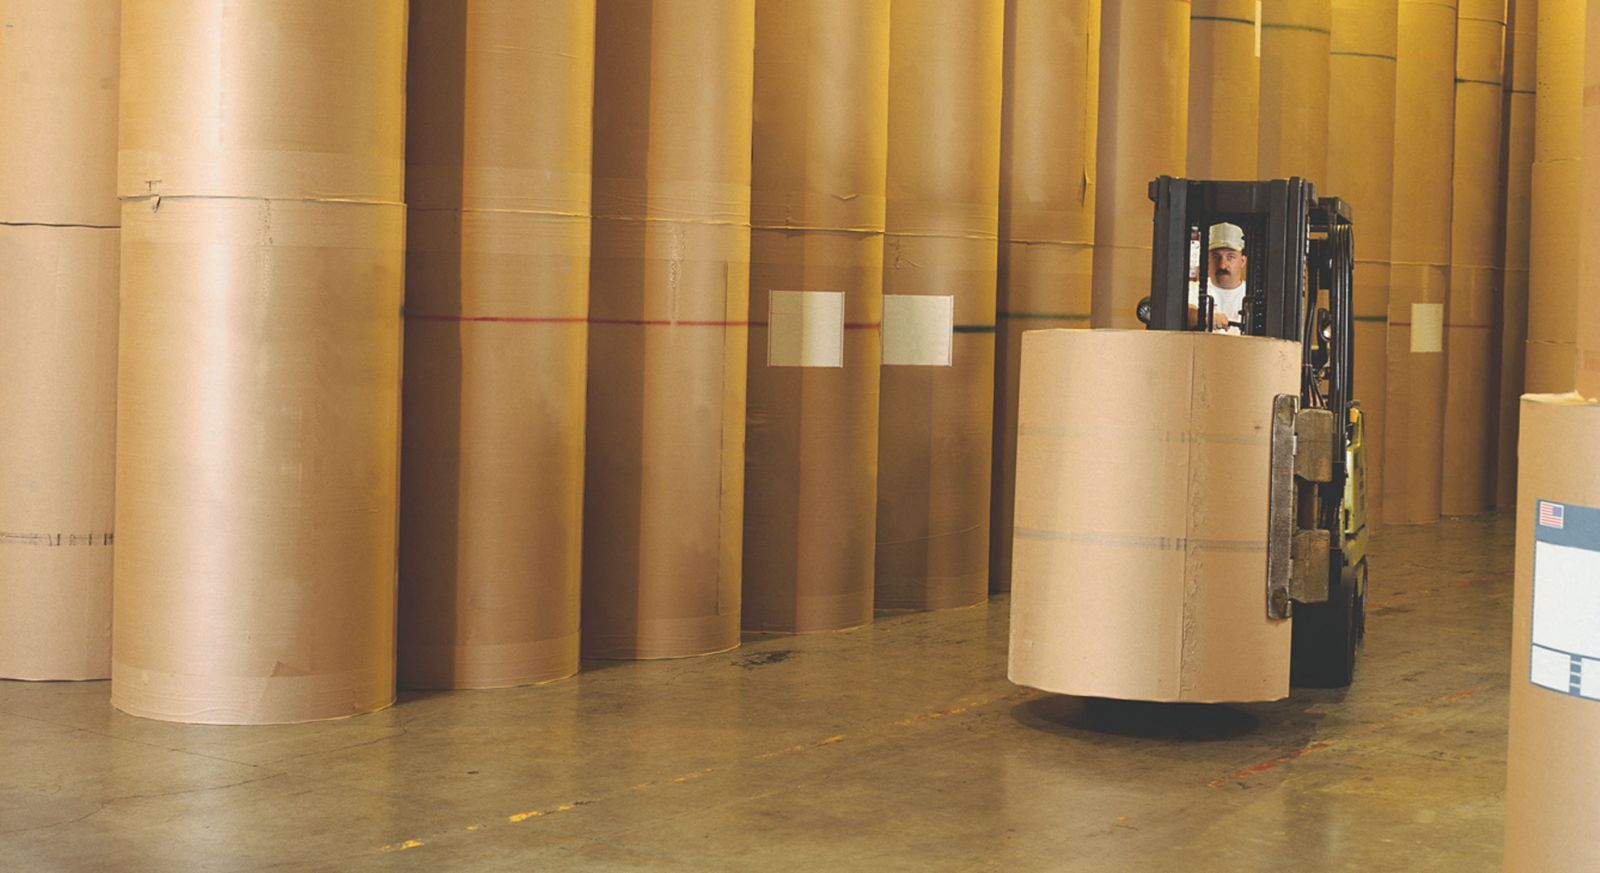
[{"x": 1200, "y": 722}]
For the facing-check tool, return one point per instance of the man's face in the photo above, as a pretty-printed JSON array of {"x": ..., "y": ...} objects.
[{"x": 1227, "y": 267}]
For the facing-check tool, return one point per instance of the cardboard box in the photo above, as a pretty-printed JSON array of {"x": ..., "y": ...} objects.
[
  {"x": 1049, "y": 114},
  {"x": 1225, "y": 47},
  {"x": 1142, "y": 134},
  {"x": 1552, "y": 760},
  {"x": 1519, "y": 122},
  {"x": 1140, "y": 561},
  {"x": 1293, "y": 137},
  {"x": 669, "y": 309},
  {"x": 497, "y": 304},
  {"x": 936, "y": 431},
  {"x": 816, "y": 303}
]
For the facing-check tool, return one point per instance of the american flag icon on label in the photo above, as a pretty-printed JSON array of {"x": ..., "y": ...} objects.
[{"x": 1552, "y": 514}]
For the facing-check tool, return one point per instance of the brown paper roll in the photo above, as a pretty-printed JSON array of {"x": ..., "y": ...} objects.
[
  {"x": 811, "y": 437},
  {"x": 1419, "y": 274},
  {"x": 664, "y": 480},
  {"x": 1554, "y": 250},
  {"x": 1224, "y": 89},
  {"x": 1588, "y": 371},
  {"x": 58, "y": 338},
  {"x": 1361, "y": 124},
  {"x": 1553, "y": 764},
  {"x": 1140, "y": 565},
  {"x": 1144, "y": 90},
  {"x": 1518, "y": 109},
  {"x": 1473, "y": 316},
  {"x": 935, "y": 436},
  {"x": 1049, "y": 116},
  {"x": 496, "y": 341},
  {"x": 257, "y": 434},
  {"x": 256, "y": 459},
  {"x": 1294, "y": 89}
]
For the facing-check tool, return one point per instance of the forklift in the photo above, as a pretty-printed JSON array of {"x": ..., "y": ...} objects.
[{"x": 1298, "y": 287}]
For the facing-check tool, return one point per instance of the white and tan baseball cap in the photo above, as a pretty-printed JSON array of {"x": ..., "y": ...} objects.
[{"x": 1226, "y": 236}]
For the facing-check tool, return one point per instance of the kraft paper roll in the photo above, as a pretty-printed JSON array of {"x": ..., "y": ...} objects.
[
  {"x": 1140, "y": 564},
  {"x": 1588, "y": 375},
  {"x": 1144, "y": 90},
  {"x": 935, "y": 436},
  {"x": 817, "y": 205},
  {"x": 1295, "y": 42},
  {"x": 1553, "y": 764},
  {"x": 1473, "y": 314},
  {"x": 1419, "y": 272},
  {"x": 1049, "y": 116},
  {"x": 58, "y": 338},
  {"x": 669, "y": 280},
  {"x": 259, "y": 359},
  {"x": 1518, "y": 109},
  {"x": 1361, "y": 125},
  {"x": 497, "y": 299},
  {"x": 1554, "y": 249},
  {"x": 1224, "y": 89}
]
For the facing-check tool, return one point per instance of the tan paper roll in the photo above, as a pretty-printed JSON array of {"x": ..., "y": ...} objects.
[
  {"x": 1554, "y": 252},
  {"x": 1144, "y": 91},
  {"x": 1049, "y": 115},
  {"x": 1553, "y": 763},
  {"x": 497, "y": 295},
  {"x": 258, "y": 373},
  {"x": 1518, "y": 108},
  {"x": 1361, "y": 125},
  {"x": 817, "y": 206},
  {"x": 1472, "y": 317},
  {"x": 935, "y": 432},
  {"x": 1295, "y": 41},
  {"x": 1588, "y": 375},
  {"x": 664, "y": 477},
  {"x": 58, "y": 338},
  {"x": 1419, "y": 275},
  {"x": 1140, "y": 567},
  {"x": 1224, "y": 89}
]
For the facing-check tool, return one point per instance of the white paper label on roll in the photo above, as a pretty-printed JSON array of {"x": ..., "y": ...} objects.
[
  {"x": 918, "y": 330},
  {"x": 805, "y": 329},
  {"x": 1427, "y": 327},
  {"x": 1566, "y": 599}
]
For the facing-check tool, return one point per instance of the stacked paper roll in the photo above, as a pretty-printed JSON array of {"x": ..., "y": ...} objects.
[
  {"x": 1518, "y": 109},
  {"x": 1554, "y": 249},
  {"x": 1224, "y": 89},
  {"x": 1295, "y": 41},
  {"x": 668, "y": 308},
  {"x": 497, "y": 298},
  {"x": 816, "y": 300},
  {"x": 1473, "y": 314},
  {"x": 1588, "y": 370},
  {"x": 1361, "y": 125},
  {"x": 1047, "y": 199},
  {"x": 257, "y": 434},
  {"x": 58, "y": 337},
  {"x": 1144, "y": 90},
  {"x": 1420, "y": 260}
]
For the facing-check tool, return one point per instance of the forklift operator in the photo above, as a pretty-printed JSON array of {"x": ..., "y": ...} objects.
[{"x": 1225, "y": 265}]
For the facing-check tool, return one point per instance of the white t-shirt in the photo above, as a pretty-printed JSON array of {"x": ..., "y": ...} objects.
[{"x": 1230, "y": 302}]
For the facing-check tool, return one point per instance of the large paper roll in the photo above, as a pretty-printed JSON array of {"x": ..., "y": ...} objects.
[
  {"x": 1519, "y": 108},
  {"x": 1588, "y": 369},
  {"x": 816, "y": 300},
  {"x": 936, "y": 434},
  {"x": 1293, "y": 140},
  {"x": 1554, "y": 250},
  {"x": 1142, "y": 469},
  {"x": 669, "y": 280},
  {"x": 1553, "y": 763},
  {"x": 58, "y": 336},
  {"x": 1419, "y": 273},
  {"x": 1047, "y": 197},
  {"x": 1361, "y": 125},
  {"x": 497, "y": 300},
  {"x": 257, "y": 433},
  {"x": 1224, "y": 89},
  {"x": 1142, "y": 134}
]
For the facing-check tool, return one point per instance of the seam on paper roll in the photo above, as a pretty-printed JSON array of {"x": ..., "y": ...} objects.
[{"x": 332, "y": 201}]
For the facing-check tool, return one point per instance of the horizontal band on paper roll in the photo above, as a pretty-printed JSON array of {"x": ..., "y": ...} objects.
[
  {"x": 814, "y": 210},
  {"x": 918, "y": 330},
  {"x": 1427, "y": 327},
  {"x": 482, "y": 664},
  {"x": 208, "y": 698},
  {"x": 502, "y": 265},
  {"x": 805, "y": 329},
  {"x": 660, "y": 638},
  {"x": 689, "y": 201},
  {"x": 669, "y": 272}
]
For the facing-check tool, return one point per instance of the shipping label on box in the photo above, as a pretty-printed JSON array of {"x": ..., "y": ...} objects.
[
  {"x": 1566, "y": 599},
  {"x": 918, "y": 330},
  {"x": 805, "y": 329}
]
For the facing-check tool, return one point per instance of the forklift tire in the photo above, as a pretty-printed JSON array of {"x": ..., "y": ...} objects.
[{"x": 1326, "y": 636}]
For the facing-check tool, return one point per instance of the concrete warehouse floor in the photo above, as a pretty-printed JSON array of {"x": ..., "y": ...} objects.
[{"x": 896, "y": 747}]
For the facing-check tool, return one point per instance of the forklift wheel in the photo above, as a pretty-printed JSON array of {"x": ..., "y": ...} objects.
[{"x": 1327, "y": 635}]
